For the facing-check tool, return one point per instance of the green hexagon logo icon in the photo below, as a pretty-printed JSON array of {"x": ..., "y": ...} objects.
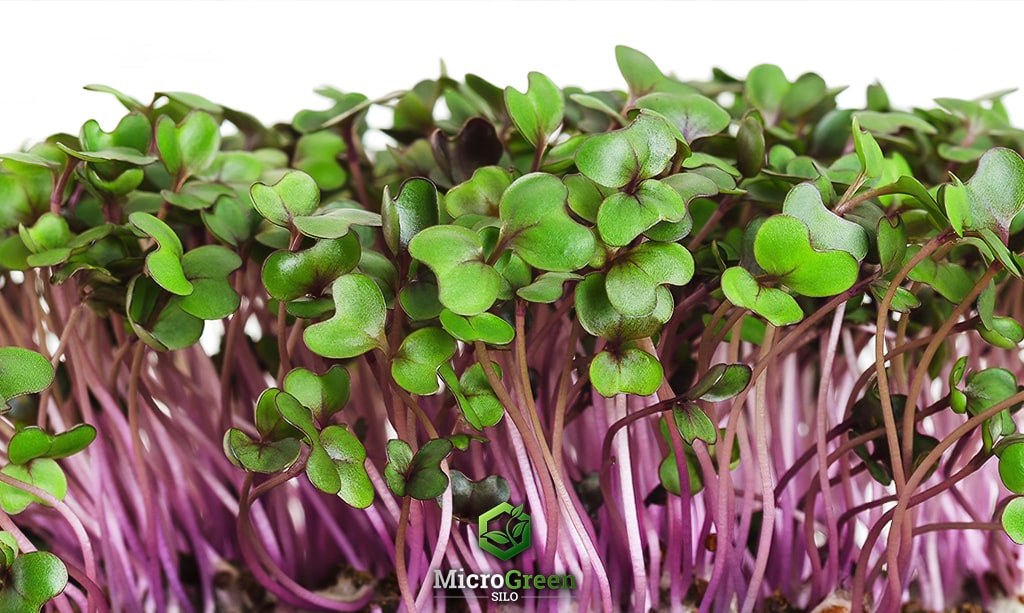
[{"x": 508, "y": 536}]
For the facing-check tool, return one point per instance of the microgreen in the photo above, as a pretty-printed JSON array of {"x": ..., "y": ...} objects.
[{"x": 728, "y": 344}]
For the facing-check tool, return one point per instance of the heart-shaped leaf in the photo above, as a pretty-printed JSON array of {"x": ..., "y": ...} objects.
[
  {"x": 415, "y": 365},
  {"x": 160, "y": 323},
  {"x": 783, "y": 249},
  {"x": 466, "y": 284},
  {"x": 538, "y": 227},
  {"x": 197, "y": 195},
  {"x": 624, "y": 216},
  {"x": 414, "y": 209},
  {"x": 290, "y": 275},
  {"x": 471, "y": 498},
  {"x": 163, "y": 264},
  {"x": 191, "y": 146},
  {"x": 479, "y": 195},
  {"x": 694, "y": 424},
  {"x": 324, "y": 394},
  {"x": 358, "y": 322},
  {"x": 828, "y": 231},
  {"x": 43, "y": 473},
  {"x": 626, "y": 371},
  {"x": 694, "y": 115},
  {"x": 485, "y": 327},
  {"x": 765, "y": 88},
  {"x": 317, "y": 154},
  {"x": 775, "y": 305},
  {"x": 231, "y": 221},
  {"x": 22, "y": 372},
  {"x": 634, "y": 278},
  {"x": 419, "y": 300},
  {"x": 32, "y": 442},
  {"x": 294, "y": 195},
  {"x": 207, "y": 268},
  {"x": 348, "y": 456},
  {"x": 995, "y": 194},
  {"x": 639, "y": 151},
  {"x": 260, "y": 456},
  {"x": 722, "y": 382},
  {"x": 49, "y": 232},
  {"x": 538, "y": 112},
  {"x": 32, "y": 580},
  {"x": 599, "y": 317},
  {"x": 475, "y": 396}
]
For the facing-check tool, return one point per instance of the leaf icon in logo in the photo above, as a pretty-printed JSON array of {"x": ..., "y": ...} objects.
[{"x": 497, "y": 536}]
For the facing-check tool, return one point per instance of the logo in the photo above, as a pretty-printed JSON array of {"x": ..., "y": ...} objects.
[{"x": 504, "y": 531}]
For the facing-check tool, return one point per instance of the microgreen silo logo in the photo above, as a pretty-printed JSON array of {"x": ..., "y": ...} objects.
[{"x": 504, "y": 531}]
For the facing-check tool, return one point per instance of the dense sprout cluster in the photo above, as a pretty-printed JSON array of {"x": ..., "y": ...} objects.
[{"x": 730, "y": 345}]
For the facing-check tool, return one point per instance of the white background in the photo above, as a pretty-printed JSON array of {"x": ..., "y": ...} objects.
[{"x": 266, "y": 58}]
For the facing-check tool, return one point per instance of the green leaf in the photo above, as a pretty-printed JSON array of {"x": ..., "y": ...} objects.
[
  {"x": 634, "y": 278},
  {"x": 538, "y": 112},
  {"x": 32, "y": 442},
  {"x": 892, "y": 243},
  {"x": 471, "y": 498},
  {"x": 290, "y": 275},
  {"x": 775, "y": 305},
  {"x": 1005, "y": 333},
  {"x": 868, "y": 151},
  {"x": 643, "y": 76},
  {"x": 22, "y": 372},
  {"x": 426, "y": 480},
  {"x": 765, "y": 88},
  {"x": 358, "y": 322},
  {"x": 317, "y": 155},
  {"x": 485, "y": 327},
  {"x": 207, "y": 268},
  {"x": 414, "y": 366},
  {"x": 294, "y": 195},
  {"x": 43, "y": 473},
  {"x": 399, "y": 459},
  {"x": 626, "y": 371},
  {"x": 722, "y": 382},
  {"x": 130, "y": 103},
  {"x": 538, "y": 227},
  {"x": 324, "y": 394},
  {"x": 164, "y": 264},
  {"x": 335, "y": 222},
  {"x": 419, "y": 300},
  {"x": 694, "y": 115},
  {"x": 414, "y": 209},
  {"x": 623, "y": 216},
  {"x": 32, "y": 580},
  {"x": 1013, "y": 520},
  {"x": 783, "y": 249},
  {"x": 1011, "y": 468},
  {"x": 260, "y": 456},
  {"x": 599, "y": 317},
  {"x": 641, "y": 150},
  {"x": 191, "y": 146},
  {"x": 750, "y": 145},
  {"x": 475, "y": 396},
  {"x": 996, "y": 192},
  {"x": 466, "y": 284},
  {"x": 349, "y": 457},
  {"x": 479, "y": 195},
  {"x": 160, "y": 323},
  {"x": 694, "y": 424},
  {"x": 547, "y": 288},
  {"x": 828, "y": 231},
  {"x": 893, "y": 122}
]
